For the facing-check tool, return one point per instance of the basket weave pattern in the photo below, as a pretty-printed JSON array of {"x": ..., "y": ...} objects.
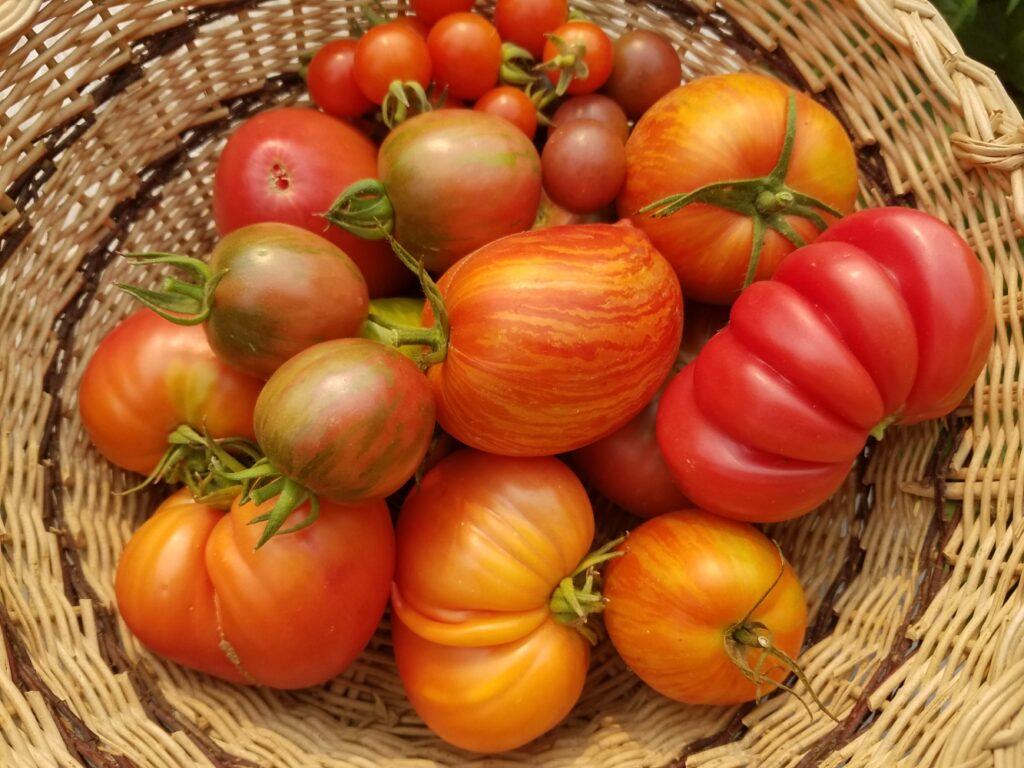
[{"x": 111, "y": 118}]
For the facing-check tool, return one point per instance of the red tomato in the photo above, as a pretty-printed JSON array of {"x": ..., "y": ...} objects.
[
  {"x": 330, "y": 79},
  {"x": 645, "y": 66},
  {"x": 512, "y": 104},
  {"x": 593, "y": 106},
  {"x": 348, "y": 419},
  {"x": 483, "y": 659},
  {"x": 526, "y": 22},
  {"x": 722, "y": 130},
  {"x": 433, "y": 10},
  {"x": 388, "y": 52},
  {"x": 147, "y": 377},
  {"x": 558, "y": 336},
  {"x": 580, "y": 54},
  {"x": 458, "y": 179},
  {"x": 583, "y": 165},
  {"x": 295, "y": 613},
  {"x": 466, "y": 54},
  {"x": 288, "y": 165},
  {"x": 689, "y": 588},
  {"x": 844, "y": 340}
]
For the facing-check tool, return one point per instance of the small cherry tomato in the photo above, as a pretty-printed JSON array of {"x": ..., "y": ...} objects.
[
  {"x": 330, "y": 79},
  {"x": 389, "y": 52},
  {"x": 466, "y": 54},
  {"x": 512, "y": 104},
  {"x": 583, "y": 165},
  {"x": 431, "y": 11},
  {"x": 578, "y": 56},
  {"x": 593, "y": 106},
  {"x": 645, "y": 67},
  {"x": 526, "y": 22}
]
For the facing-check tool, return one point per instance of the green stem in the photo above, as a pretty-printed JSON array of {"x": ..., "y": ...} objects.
[
  {"x": 517, "y": 66},
  {"x": 573, "y": 602},
  {"x": 569, "y": 61},
  {"x": 364, "y": 209},
  {"x": 767, "y": 200},
  {"x": 181, "y": 302},
  {"x": 403, "y": 100}
]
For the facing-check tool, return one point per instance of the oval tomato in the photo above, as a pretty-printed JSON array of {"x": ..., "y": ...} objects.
[
  {"x": 149, "y": 376},
  {"x": 557, "y": 337},
  {"x": 717, "y": 146},
  {"x": 689, "y": 598},
  {"x": 348, "y": 419},
  {"x": 483, "y": 659},
  {"x": 297, "y": 612},
  {"x": 287, "y": 165},
  {"x": 838, "y": 345}
]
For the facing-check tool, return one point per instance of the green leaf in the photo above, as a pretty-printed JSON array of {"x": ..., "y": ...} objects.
[{"x": 958, "y": 13}]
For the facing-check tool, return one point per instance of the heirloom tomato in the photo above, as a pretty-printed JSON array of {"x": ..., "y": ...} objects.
[
  {"x": 729, "y": 173},
  {"x": 193, "y": 588},
  {"x": 552, "y": 338},
  {"x": 645, "y": 66},
  {"x": 583, "y": 165},
  {"x": 454, "y": 179},
  {"x": 889, "y": 318},
  {"x": 703, "y": 609},
  {"x": 287, "y": 165},
  {"x": 348, "y": 420},
  {"x": 270, "y": 290},
  {"x": 489, "y": 548},
  {"x": 149, "y": 376}
]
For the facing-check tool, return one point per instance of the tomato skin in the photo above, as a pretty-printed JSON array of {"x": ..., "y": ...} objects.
[
  {"x": 284, "y": 289},
  {"x": 349, "y": 419},
  {"x": 431, "y": 11},
  {"x": 526, "y": 22},
  {"x": 685, "y": 578},
  {"x": 853, "y": 332},
  {"x": 645, "y": 66},
  {"x": 583, "y": 165},
  {"x": 466, "y": 54},
  {"x": 297, "y": 612},
  {"x": 482, "y": 543},
  {"x": 147, "y": 377},
  {"x": 611, "y": 311},
  {"x": 388, "y": 52},
  {"x": 594, "y": 106},
  {"x": 512, "y": 104},
  {"x": 289, "y": 165},
  {"x": 458, "y": 179},
  {"x": 683, "y": 143},
  {"x": 597, "y": 53},
  {"x": 949, "y": 295},
  {"x": 330, "y": 80}
]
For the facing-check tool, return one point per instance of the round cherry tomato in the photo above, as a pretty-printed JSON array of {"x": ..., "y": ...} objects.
[
  {"x": 389, "y": 52},
  {"x": 581, "y": 53},
  {"x": 689, "y": 600},
  {"x": 593, "y": 106},
  {"x": 330, "y": 79},
  {"x": 149, "y": 376},
  {"x": 288, "y": 165},
  {"x": 512, "y": 104},
  {"x": 843, "y": 341},
  {"x": 348, "y": 419},
  {"x": 431, "y": 11},
  {"x": 645, "y": 67},
  {"x": 526, "y": 22},
  {"x": 297, "y": 612},
  {"x": 558, "y": 336},
  {"x": 583, "y": 165},
  {"x": 466, "y": 54},
  {"x": 721, "y": 140},
  {"x": 483, "y": 658}
]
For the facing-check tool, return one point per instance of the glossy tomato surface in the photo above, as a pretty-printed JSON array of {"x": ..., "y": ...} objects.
[
  {"x": 349, "y": 419},
  {"x": 297, "y": 612},
  {"x": 283, "y": 289},
  {"x": 483, "y": 541},
  {"x": 149, "y": 376},
  {"x": 686, "y": 580},
  {"x": 726, "y": 128},
  {"x": 289, "y": 165},
  {"x": 559, "y": 336},
  {"x": 888, "y": 319},
  {"x": 458, "y": 179}
]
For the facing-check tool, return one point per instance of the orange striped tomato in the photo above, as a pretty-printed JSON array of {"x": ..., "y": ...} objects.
[{"x": 558, "y": 336}]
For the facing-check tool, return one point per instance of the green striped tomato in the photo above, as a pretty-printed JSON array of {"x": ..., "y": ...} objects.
[
  {"x": 558, "y": 336},
  {"x": 349, "y": 419}
]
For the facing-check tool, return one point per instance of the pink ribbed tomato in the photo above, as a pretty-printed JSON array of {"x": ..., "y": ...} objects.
[{"x": 558, "y": 336}]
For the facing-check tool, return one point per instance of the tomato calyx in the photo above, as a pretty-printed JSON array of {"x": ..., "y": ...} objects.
[
  {"x": 767, "y": 200},
  {"x": 262, "y": 482},
  {"x": 569, "y": 61},
  {"x": 573, "y": 601},
  {"x": 747, "y": 635},
  {"x": 364, "y": 209},
  {"x": 405, "y": 99},
  {"x": 181, "y": 302}
]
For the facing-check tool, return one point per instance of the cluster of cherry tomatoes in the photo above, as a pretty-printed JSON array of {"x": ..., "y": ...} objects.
[{"x": 422, "y": 298}]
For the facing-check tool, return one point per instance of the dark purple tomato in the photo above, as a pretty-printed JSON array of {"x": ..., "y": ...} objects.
[
  {"x": 645, "y": 67},
  {"x": 584, "y": 165}
]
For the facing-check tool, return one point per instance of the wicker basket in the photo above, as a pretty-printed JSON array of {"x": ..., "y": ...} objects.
[{"x": 112, "y": 118}]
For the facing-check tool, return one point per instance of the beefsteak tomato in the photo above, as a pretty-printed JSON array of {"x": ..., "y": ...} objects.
[
  {"x": 487, "y": 547},
  {"x": 192, "y": 587},
  {"x": 729, "y": 173},
  {"x": 886, "y": 319}
]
